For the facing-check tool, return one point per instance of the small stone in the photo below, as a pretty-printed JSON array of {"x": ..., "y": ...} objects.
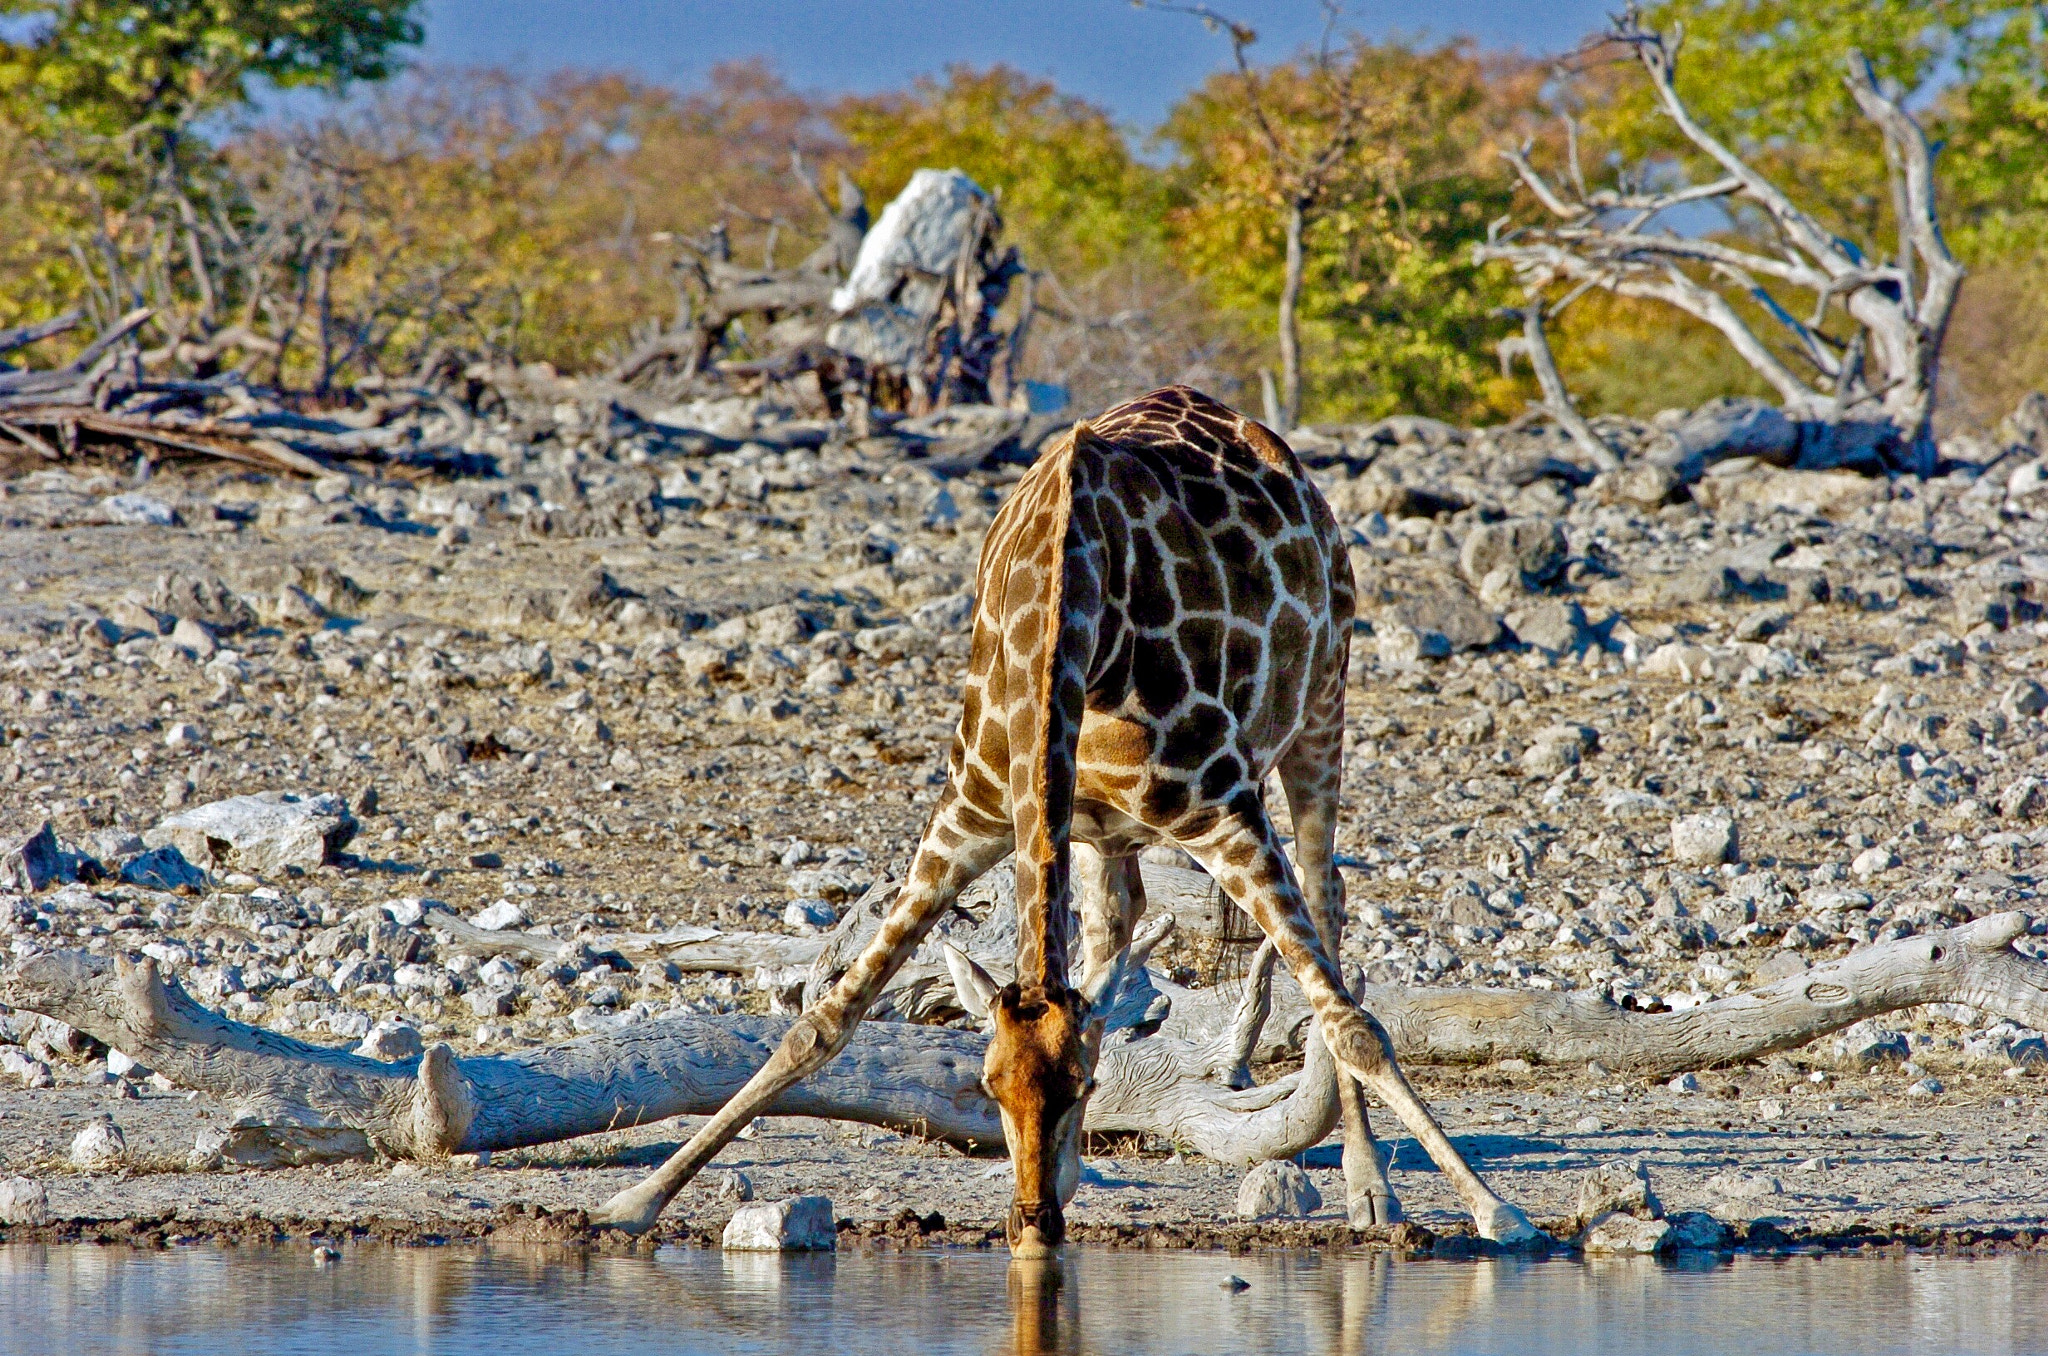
[
  {"x": 810, "y": 913},
  {"x": 122, "y": 1065},
  {"x": 2024, "y": 700},
  {"x": 1236, "y": 1285},
  {"x": 32, "y": 862},
  {"x": 1697, "y": 1231},
  {"x": 24, "y": 1200},
  {"x": 1740, "y": 1185},
  {"x": 1770, "y": 1109},
  {"x": 185, "y": 734},
  {"x": 488, "y": 1003},
  {"x": 735, "y": 1186},
  {"x": 392, "y": 1042},
  {"x": 1589, "y": 1125},
  {"x": 1626, "y": 1235},
  {"x": 1684, "y": 1083},
  {"x": 1277, "y": 1188},
  {"x": 24, "y": 1069},
  {"x": 99, "y": 1147},
  {"x": 1704, "y": 840},
  {"x": 324, "y": 1255},
  {"x": 195, "y": 637},
  {"x": 1621, "y": 1186},
  {"x": 799, "y": 1224},
  {"x": 1873, "y": 862},
  {"x": 261, "y": 834},
  {"x": 1926, "y": 1087},
  {"x": 137, "y": 510},
  {"x": 500, "y": 916},
  {"x": 163, "y": 868}
]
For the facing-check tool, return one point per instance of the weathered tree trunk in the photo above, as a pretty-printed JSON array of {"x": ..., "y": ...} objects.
[
  {"x": 1290, "y": 322},
  {"x": 1186, "y": 1083},
  {"x": 1557, "y": 401}
]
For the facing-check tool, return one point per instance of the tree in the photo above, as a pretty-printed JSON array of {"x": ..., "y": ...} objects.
[
  {"x": 1356, "y": 243},
  {"x": 1305, "y": 123},
  {"x": 1870, "y": 390},
  {"x": 110, "y": 67}
]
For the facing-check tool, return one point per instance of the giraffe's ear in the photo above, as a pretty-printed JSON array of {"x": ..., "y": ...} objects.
[{"x": 976, "y": 986}]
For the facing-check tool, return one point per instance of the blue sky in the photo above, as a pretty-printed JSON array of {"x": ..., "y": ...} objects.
[{"x": 1134, "y": 62}]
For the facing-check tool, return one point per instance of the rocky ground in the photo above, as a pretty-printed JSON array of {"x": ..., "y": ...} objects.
[{"x": 1660, "y": 733}]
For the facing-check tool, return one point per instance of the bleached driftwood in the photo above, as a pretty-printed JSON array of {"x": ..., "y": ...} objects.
[
  {"x": 922, "y": 1079},
  {"x": 1187, "y": 1083}
]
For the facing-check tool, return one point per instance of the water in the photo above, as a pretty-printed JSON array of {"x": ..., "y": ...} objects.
[{"x": 83, "y": 1301}]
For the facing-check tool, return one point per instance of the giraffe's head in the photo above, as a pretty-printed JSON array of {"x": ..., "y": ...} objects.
[{"x": 1040, "y": 1070}]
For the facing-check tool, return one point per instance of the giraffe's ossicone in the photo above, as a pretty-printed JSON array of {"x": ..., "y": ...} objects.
[{"x": 1162, "y": 620}]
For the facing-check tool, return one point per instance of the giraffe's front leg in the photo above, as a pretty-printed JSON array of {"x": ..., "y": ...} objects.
[
  {"x": 951, "y": 855},
  {"x": 1243, "y": 853}
]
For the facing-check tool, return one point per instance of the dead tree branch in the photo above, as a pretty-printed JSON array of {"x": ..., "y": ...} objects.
[{"x": 1609, "y": 239}]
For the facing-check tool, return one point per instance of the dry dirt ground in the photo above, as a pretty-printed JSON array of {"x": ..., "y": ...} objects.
[{"x": 628, "y": 683}]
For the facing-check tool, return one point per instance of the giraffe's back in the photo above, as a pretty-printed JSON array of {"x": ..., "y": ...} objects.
[{"x": 1221, "y": 593}]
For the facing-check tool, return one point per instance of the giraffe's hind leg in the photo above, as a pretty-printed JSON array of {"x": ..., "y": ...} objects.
[
  {"x": 1240, "y": 848},
  {"x": 1310, "y": 774},
  {"x": 958, "y": 846}
]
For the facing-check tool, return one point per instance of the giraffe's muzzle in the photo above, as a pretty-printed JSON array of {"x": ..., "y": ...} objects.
[{"x": 1034, "y": 1231}]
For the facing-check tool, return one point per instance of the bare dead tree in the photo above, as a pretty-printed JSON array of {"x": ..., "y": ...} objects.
[
  {"x": 1871, "y": 392},
  {"x": 1305, "y": 166}
]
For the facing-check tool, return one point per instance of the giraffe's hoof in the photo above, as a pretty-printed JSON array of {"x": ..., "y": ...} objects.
[
  {"x": 1375, "y": 1210},
  {"x": 1503, "y": 1223},
  {"x": 630, "y": 1211}
]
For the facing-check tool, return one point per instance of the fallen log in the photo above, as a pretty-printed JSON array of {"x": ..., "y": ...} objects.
[
  {"x": 1190, "y": 1088},
  {"x": 919, "y": 1079}
]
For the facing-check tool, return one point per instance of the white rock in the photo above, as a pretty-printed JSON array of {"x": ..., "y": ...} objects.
[
  {"x": 1684, "y": 1083},
  {"x": 1704, "y": 840},
  {"x": 263, "y": 833},
  {"x": 138, "y": 510},
  {"x": 1277, "y": 1188},
  {"x": 392, "y": 1042},
  {"x": 99, "y": 1146},
  {"x": 500, "y": 916},
  {"x": 1622, "y": 1186},
  {"x": 810, "y": 913},
  {"x": 23, "y": 1068},
  {"x": 1744, "y": 1185},
  {"x": 1873, "y": 862},
  {"x": 123, "y": 1065},
  {"x": 24, "y": 1201},
  {"x": 185, "y": 734},
  {"x": 1619, "y": 1234},
  {"x": 799, "y": 1224}
]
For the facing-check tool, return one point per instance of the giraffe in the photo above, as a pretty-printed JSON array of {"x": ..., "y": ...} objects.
[{"x": 1162, "y": 618}]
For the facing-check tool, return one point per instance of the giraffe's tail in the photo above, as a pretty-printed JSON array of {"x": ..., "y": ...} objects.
[{"x": 1045, "y": 756}]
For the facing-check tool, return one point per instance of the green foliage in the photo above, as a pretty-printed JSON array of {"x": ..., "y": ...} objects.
[
  {"x": 1620, "y": 355},
  {"x": 1994, "y": 161},
  {"x": 106, "y": 66},
  {"x": 1394, "y": 314}
]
